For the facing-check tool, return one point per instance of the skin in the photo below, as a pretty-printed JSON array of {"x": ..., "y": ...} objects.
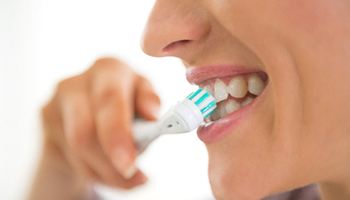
[
  {"x": 299, "y": 132},
  {"x": 87, "y": 132}
]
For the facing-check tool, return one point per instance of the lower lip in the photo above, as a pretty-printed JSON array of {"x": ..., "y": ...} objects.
[{"x": 215, "y": 131}]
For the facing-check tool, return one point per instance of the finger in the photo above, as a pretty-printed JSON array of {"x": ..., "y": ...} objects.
[
  {"x": 112, "y": 93},
  {"x": 77, "y": 120},
  {"x": 77, "y": 123},
  {"x": 80, "y": 132},
  {"x": 80, "y": 167},
  {"x": 108, "y": 174},
  {"x": 53, "y": 124},
  {"x": 147, "y": 102}
]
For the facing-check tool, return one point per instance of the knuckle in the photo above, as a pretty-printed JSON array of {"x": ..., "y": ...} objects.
[
  {"x": 144, "y": 81},
  {"x": 119, "y": 182},
  {"x": 153, "y": 96},
  {"x": 107, "y": 60},
  {"x": 83, "y": 170},
  {"x": 66, "y": 84},
  {"x": 49, "y": 114},
  {"x": 150, "y": 95},
  {"x": 126, "y": 186},
  {"x": 107, "y": 94},
  {"x": 90, "y": 176},
  {"x": 62, "y": 85},
  {"x": 45, "y": 111},
  {"x": 107, "y": 63},
  {"x": 146, "y": 87}
]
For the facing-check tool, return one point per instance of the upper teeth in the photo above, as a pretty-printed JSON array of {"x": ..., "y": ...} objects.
[
  {"x": 237, "y": 87},
  {"x": 220, "y": 92},
  {"x": 255, "y": 84}
]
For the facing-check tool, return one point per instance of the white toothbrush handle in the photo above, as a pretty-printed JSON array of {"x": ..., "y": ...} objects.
[
  {"x": 183, "y": 117},
  {"x": 144, "y": 133}
]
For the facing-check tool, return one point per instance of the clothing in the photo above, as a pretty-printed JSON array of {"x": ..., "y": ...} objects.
[{"x": 309, "y": 192}]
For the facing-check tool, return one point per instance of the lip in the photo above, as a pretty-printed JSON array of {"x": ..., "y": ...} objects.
[
  {"x": 215, "y": 131},
  {"x": 196, "y": 75}
]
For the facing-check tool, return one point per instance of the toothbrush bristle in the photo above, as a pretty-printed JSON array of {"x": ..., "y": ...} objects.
[
  {"x": 205, "y": 102},
  {"x": 194, "y": 94}
]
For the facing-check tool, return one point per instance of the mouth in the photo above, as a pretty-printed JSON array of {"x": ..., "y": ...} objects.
[{"x": 236, "y": 90}]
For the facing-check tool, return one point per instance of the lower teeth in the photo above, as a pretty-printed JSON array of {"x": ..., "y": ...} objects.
[{"x": 229, "y": 106}]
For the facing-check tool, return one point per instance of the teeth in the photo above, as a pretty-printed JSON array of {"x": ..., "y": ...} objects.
[
  {"x": 216, "y": 115},
  {"x": 220, "y": 112},
  {"x": 237, "y": 87},
  {"x": 255, "y": 84},
  {"x": 220, "y": 90},
  {"x": 232, "y": 106},
  {"x": 247, "y": 101}
]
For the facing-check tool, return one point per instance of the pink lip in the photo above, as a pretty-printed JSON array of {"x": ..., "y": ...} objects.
[
  {"x": 197, "y": 75},
  {"x": 218, "y": 129}
]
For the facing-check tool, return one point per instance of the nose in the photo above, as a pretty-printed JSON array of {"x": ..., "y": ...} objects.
[{"x": 173, "y": 27}]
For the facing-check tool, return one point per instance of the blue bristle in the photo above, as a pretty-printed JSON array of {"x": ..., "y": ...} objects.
[
  {"x": 207, "y": 115},
  {"x": 202, "y": 98},
  {"x": 194, "y": 94},
  {"x": 208, "y": 107}
]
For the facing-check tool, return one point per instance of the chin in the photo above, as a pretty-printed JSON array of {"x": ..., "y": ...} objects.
[
  {"x": 228, "y": 184},
  {"x": 236, "y": 173}
]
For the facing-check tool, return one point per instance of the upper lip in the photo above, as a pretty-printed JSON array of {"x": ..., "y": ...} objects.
[{"x": 197, "y": 75}]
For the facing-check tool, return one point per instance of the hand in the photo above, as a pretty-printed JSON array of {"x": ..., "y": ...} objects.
[{"x": 88, "y": 122}]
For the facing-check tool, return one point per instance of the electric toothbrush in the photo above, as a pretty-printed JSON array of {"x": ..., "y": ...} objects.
[{"x": 184, "y": 117}]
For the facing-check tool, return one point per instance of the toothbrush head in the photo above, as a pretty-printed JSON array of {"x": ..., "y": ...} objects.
[
  {"x": 204, "y": 101},
  {"x": 190, "y": 113}
]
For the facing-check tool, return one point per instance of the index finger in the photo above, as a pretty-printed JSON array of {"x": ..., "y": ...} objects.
[{"x": 112, "y": 92}]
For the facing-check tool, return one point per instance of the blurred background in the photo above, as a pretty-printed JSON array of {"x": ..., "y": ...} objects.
[{"x": 44, "y": 41}]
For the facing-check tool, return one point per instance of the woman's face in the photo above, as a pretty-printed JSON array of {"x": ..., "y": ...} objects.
[{"x": 295, "y": 131}]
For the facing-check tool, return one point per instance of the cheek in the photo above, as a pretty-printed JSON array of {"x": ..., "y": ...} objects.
[
  {"x": 242, "y": 164},
  {"x": 279, "y": 147}
]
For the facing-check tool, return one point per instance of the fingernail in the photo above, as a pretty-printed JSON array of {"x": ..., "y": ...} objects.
[
  {"x": 124, "y": 163},
  {"x": 143, "y": 179},
  {"x": 130, "y": 172},
  {"x": 153, "y": 109}
]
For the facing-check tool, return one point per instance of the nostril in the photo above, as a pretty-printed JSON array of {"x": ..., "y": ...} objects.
[{"x": 176, "y": 44}]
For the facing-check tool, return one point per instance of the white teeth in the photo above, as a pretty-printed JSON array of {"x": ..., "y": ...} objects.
[
  {"x": 222, "y": 111},
  {"x": 220, "y": 93},
  {"x": 255, "y": 84},
  {"x": 247, "y": 101},
  {"x": 215, "y": 116},
  {"x": 237, "y": 87},
  {"x": 232, "y": 105}
]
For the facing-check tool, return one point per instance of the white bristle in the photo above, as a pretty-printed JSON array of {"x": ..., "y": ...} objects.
[
  {"x": 199, "y": 95},
  {"x": 205, "y": 103}
]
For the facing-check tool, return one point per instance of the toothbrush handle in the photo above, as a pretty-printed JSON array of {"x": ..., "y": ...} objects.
[{"x": 144, "y": 133}]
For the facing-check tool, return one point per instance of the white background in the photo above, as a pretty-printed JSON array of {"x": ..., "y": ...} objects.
[{"x": 43, "y": 41}]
